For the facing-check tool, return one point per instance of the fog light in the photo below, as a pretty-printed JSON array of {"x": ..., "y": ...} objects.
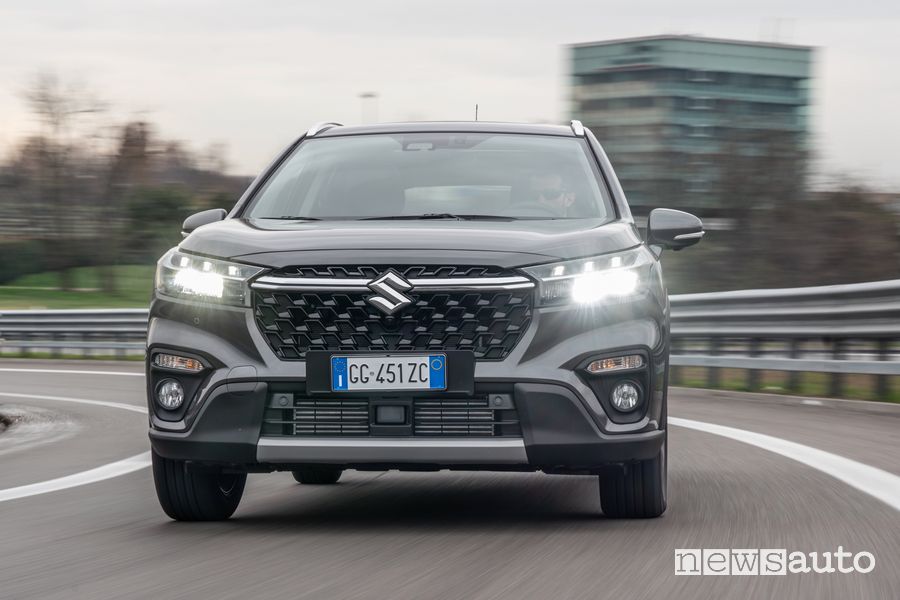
[
  {"x": 616, "y": 363},
  {"x": 178, "y": 363},
  {"x": 169, "y": 394},
  {"x": 625, "y": 396}
]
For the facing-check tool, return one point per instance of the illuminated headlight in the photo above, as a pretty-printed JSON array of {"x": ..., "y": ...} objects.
[
  {"x": 588, "y": 280},
  {"x": 181, "y": 275}
]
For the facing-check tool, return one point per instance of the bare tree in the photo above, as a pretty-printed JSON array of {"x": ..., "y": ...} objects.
[
  {"x": 125, "y": 171},
  {"x": 783, "y": 234},
  {"x": 60, "y": 108}
]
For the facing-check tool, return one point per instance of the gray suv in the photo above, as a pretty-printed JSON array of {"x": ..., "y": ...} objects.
[{"x": 416, "y": 296}]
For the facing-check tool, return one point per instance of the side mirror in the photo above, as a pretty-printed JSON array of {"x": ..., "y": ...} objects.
[
  {"x": 199, "y": 219},
  {"x": 673, "y": 229}
]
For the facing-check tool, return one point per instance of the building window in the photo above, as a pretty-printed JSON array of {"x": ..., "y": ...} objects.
[
  {"x": 700, "y": 75},
  {"x": 700, "y": 131},
  {"x": 595, "y": 105},
  {"x": 699, "y": 184},
  {"x": 701, "y": 103}
]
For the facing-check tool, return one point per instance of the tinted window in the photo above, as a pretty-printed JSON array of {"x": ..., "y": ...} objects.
[{"x": 518, "y": 176}]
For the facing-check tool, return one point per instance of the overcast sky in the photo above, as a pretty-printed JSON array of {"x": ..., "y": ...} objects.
[{"x": 252, "y": 75}]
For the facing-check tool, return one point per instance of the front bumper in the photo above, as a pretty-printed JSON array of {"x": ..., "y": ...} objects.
[
  {"x": 565, "y": 424},
  {"x": 558, "y": 434}
]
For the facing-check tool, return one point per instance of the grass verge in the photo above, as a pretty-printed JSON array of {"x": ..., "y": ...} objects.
[{"x": 41, "y": 290}]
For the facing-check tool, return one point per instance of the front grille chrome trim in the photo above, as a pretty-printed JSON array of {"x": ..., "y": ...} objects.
[{"x": 357, "y": 284}]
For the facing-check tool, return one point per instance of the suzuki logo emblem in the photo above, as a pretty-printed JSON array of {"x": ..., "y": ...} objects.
[{"x": 389, "y": 288}]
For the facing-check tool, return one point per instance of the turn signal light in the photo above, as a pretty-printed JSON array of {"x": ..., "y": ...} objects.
[
  {"x": 178, "y": 363},
  {"x": 616, "y": 363}
]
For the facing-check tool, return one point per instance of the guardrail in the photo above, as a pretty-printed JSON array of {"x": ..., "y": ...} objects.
[
  {"x": 122, "y": 331},
  {"x": 839, "y": 330}
]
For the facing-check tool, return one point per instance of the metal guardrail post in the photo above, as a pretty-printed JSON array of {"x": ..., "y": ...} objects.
[
  {"x": 676, "y": 372},
  {"x": 713, "y": 374},
  {"x": 753, "y": 375},
  {"x": 57, "y": 352},
  {"x": 882, "y": 383},
  {"x": 836, "y": 388},
  {"x": 794, "y": 377}
]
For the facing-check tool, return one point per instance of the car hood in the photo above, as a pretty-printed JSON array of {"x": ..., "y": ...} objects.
[{"x": 277, "y": 243}]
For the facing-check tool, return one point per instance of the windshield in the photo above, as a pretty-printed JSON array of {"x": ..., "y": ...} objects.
[{"x": 435, "y": 175}]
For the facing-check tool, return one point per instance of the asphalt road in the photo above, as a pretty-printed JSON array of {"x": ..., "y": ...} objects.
[{"x": 436, "y": 535}]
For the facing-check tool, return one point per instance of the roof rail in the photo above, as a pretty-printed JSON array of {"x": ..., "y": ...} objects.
[
  {"x": 320, "y": 127},
  {"x": 577, "y": 127}
]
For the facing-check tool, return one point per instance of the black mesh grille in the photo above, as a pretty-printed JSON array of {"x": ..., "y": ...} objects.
[
  {"x": 489, "y": 323},
  {"x": 453, "y": 417},
  {"x": 467, "y": 417},
  {"x": 373, "y": 271},
  {"x": 310, "y": 416}
]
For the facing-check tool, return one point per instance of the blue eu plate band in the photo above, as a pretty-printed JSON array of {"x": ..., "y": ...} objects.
[{"x": 339, "y": 379}]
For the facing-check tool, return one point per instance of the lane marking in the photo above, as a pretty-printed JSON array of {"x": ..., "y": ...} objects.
[
  {"x": 108, "y": 471},
  {"x": 123, "y": 406},
  {"x": 70, "y": 372},
  {"x": 873, "y": 481}
]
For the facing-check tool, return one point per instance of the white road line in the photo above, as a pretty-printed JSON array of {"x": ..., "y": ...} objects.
[
  {"x": 71, "y": 372},
  {"x": 131, "y": 407},
  {"x": 121, "y": 467},
  {"x": 108, "y": 471},
  {"x": 873, "y": 481}
]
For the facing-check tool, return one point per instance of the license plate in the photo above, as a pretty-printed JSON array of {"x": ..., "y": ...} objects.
[{"x": 392, "y": 372}]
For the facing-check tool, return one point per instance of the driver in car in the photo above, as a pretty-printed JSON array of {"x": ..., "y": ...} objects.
[{"x": 548, "y": 190}]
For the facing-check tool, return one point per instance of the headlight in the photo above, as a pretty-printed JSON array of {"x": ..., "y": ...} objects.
[
  {"x": 181, "y": 275},
  {"x": 588, "y": 280}
]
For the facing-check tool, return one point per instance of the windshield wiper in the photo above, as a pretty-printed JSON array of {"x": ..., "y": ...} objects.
[
  {"x": 291, "y": 218},
  {"x": 427, "y": 216}
]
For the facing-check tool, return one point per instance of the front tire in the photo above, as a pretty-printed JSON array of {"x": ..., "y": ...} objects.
[
  {"x": 638, "y": 491},
  {"x": 196, "y": 495},
  {"x": 317, "y": 475}
]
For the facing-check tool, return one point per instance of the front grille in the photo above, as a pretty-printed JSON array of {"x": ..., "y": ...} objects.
[
  {"x": 488, "y": 322},
  {"x": 309, "y": 417}
]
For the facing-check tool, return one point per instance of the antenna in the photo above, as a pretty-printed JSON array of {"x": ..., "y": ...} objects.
[{"x": 476, "y": 112}]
